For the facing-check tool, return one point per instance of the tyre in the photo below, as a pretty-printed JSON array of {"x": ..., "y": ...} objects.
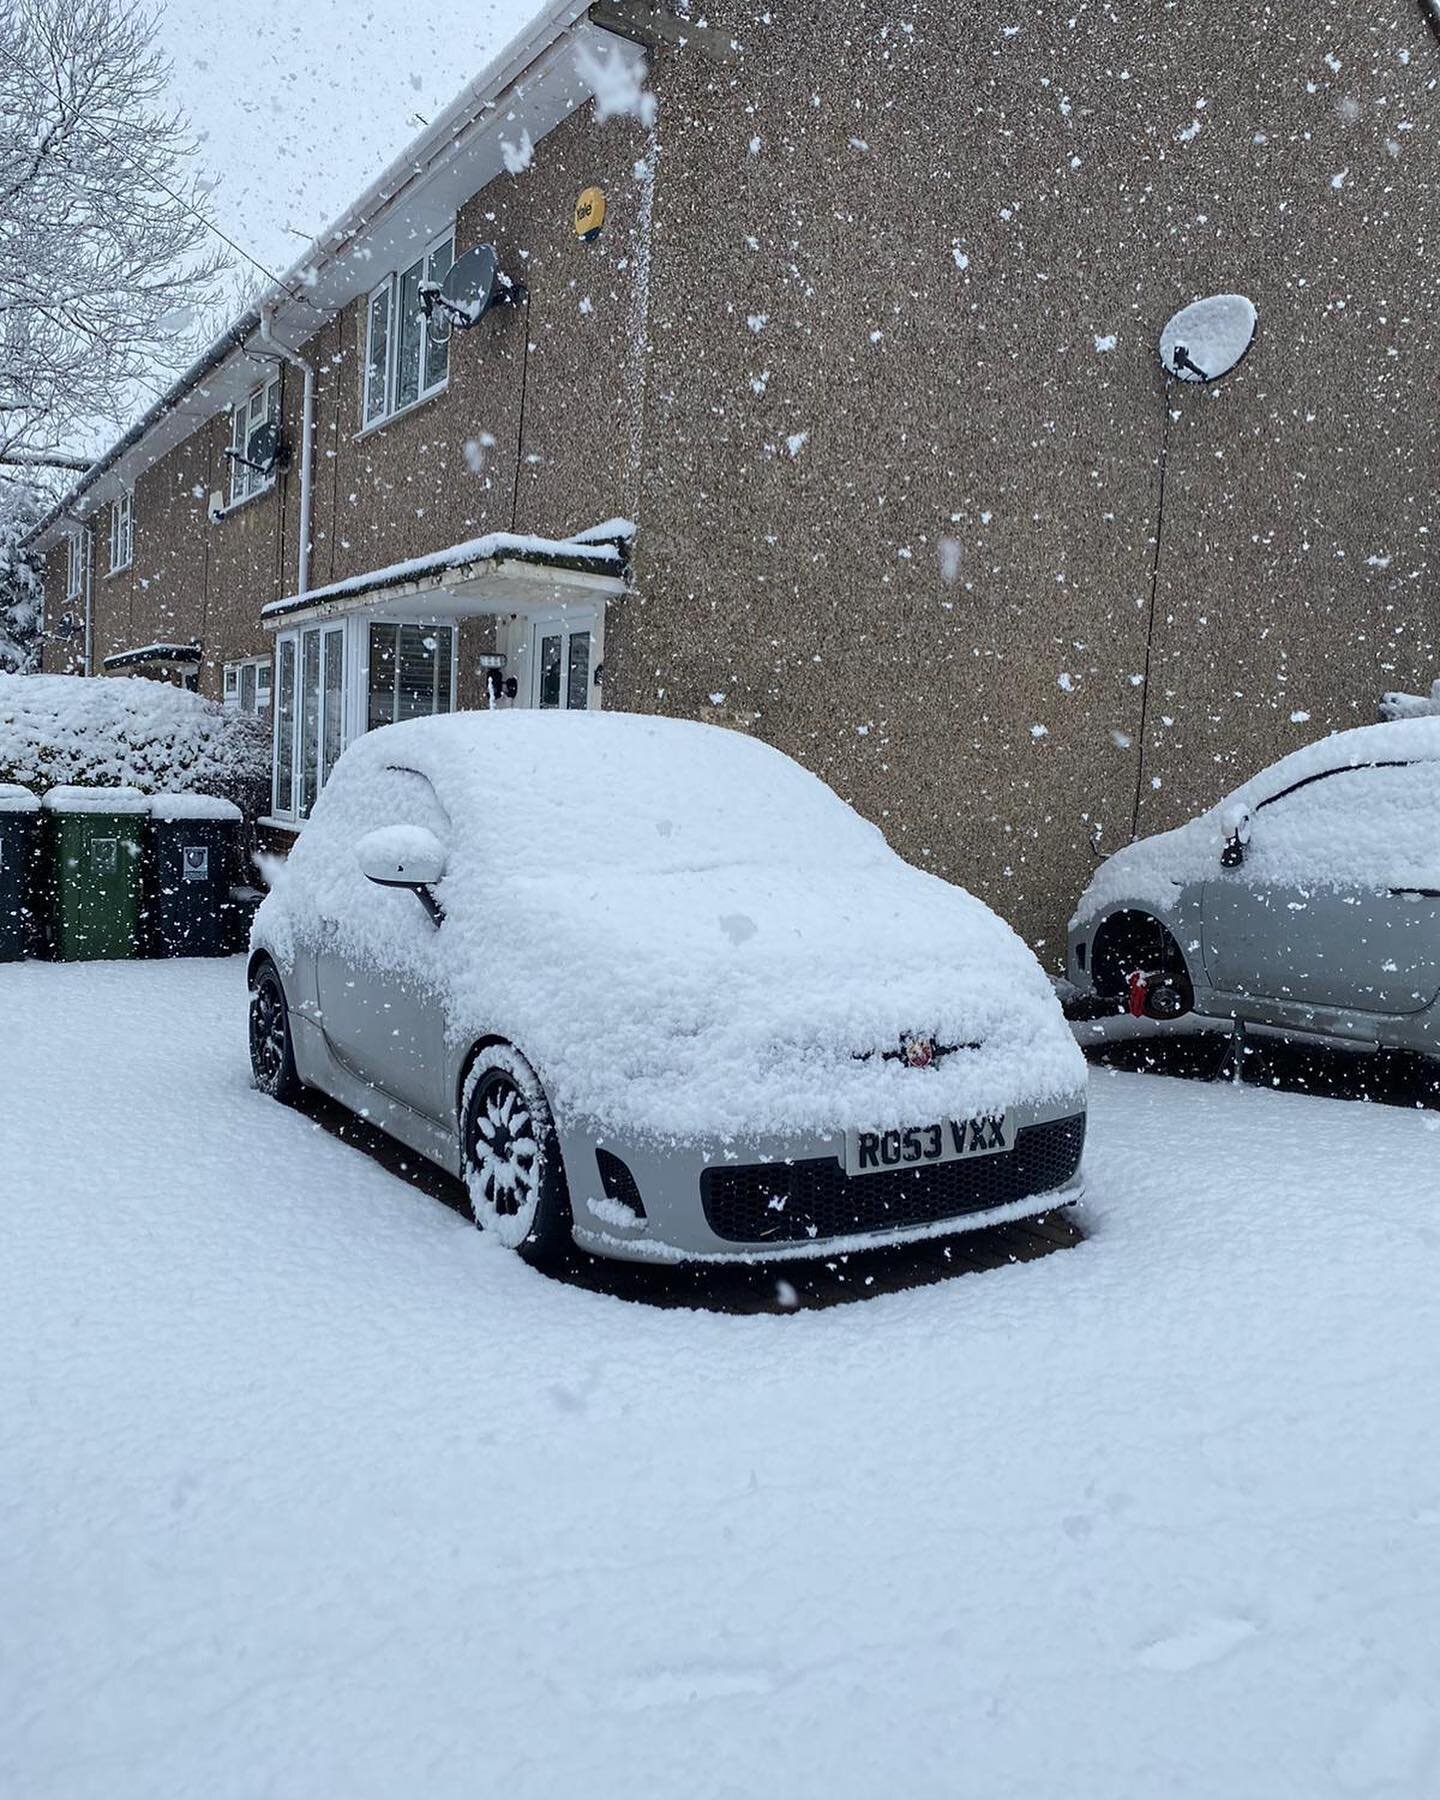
[
  {"x": 512, "y": 1167},
  {"x": 272, "y": 1054}
]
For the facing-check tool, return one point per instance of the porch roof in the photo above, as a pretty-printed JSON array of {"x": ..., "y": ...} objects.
[
  {"x": 501, "y": 572},
  {"x": 181, "y": 655}
]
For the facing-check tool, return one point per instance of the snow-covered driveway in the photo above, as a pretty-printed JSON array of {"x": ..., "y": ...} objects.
[{"x": 307, "y": 1491}]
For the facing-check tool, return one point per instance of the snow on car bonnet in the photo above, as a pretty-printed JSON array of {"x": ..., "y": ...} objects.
[
  {"x": 1378, "y": 821},
  {"x": 686, "y": 933}
]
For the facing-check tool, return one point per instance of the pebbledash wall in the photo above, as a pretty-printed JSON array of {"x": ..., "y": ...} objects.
[{"x": 866, "y": 348}]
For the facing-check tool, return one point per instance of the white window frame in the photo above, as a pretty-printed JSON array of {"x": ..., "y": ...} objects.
[
  {"x": 354, "y": 694},
  {"x": 390, "y": 406},
  {"x": 328, "y": 634},
  {"x": 75, "y": 564},
  {"x": 260, "y": 404},
  {"x": 122, "y": 531},
  {"x": 234, "y": 685}
]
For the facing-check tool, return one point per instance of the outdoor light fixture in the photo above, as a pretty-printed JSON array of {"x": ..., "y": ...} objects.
[{"x": 1206, "y": 339}]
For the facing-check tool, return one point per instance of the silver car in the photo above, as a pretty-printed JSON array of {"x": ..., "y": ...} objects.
[
  {"x": 1307, "y": 902},
  {"x": 650, "y": 988}
]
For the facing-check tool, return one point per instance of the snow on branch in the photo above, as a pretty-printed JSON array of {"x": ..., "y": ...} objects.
[{"x": 104, "y": 235}]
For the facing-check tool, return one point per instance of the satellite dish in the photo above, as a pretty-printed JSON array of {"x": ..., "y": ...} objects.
[
  {"x": 262, "y": 447},
  {"x": 1206, "y": 339},
  {"x": 473, "y": 285}
]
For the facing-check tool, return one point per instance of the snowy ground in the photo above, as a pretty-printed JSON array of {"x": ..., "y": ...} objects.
[{"x": 305, "y": 1490}]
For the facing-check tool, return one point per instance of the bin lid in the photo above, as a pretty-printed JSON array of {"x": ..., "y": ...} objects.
[
  {"x": 17, "y": 799},
  {"x": 194, "y": 806},
  {"x": 96, "y": 800}
]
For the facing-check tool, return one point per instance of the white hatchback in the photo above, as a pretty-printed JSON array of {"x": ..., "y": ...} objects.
[{"x": 650, "y": 987}]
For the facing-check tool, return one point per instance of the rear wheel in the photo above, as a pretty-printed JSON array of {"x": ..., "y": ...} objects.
[
  {"x": 272, "y": 1054},
  {"x": 513, "y": 1172}
]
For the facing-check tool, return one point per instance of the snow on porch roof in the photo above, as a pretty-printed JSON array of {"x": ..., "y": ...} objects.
[
  {"x": 498, "y": 570},
  {"x": 183, "y": 654}
]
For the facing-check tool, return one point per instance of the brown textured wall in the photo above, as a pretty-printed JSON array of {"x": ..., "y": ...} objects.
[{"x": 878, "y": 332}]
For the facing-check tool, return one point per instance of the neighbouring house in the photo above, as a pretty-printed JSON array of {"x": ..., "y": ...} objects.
[{"x": 853, "y": 318}]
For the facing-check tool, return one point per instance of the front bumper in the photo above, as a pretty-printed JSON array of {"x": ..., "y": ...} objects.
[{"x": 679, "y": 1226}]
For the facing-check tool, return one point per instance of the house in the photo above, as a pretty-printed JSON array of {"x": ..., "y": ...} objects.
[{"x": 853, "y": 318}]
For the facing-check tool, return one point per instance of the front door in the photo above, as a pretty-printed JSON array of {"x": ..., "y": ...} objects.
[{"x": 562, "y": 662}]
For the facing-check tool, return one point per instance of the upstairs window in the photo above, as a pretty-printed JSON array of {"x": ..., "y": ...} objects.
[
  {"x": 402, "y": 364},
  {"x": 261, "y": 406},
  {"x": 74, "y": 564},
  {"x": 122, "y": 532}
]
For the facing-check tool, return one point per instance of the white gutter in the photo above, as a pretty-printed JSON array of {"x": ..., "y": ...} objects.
[{"x": 307, "y": 437}]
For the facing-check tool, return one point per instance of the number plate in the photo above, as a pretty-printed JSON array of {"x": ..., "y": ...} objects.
[{"x": 951, "y": 1140}]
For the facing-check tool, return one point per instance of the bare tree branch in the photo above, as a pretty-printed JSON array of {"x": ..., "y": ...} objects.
[{"x": 104, "y": 253}]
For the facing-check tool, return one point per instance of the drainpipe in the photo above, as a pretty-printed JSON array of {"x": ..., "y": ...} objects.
[
  {"x": 87, "y": 574},
  {"x": 307, "y": 439}
]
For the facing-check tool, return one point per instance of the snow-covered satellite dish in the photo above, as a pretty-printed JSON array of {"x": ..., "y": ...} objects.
[
  {"x": 1206, "y": 339},
  {"x": 473, "y": 285},
  {"x": 262, "y": 447}
]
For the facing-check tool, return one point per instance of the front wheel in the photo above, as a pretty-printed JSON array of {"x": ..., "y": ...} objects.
[
  {"x": 272, "y": 1054},
  {"x": 513, "y": 1172}
]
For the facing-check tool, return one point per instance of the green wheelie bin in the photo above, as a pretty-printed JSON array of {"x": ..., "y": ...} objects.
[
  {"x": 96, "y": 845},
  {"x": 19, "y": 840},
  {"x": 194, "y": 850}
]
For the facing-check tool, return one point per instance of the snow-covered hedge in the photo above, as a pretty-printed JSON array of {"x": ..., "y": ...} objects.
[{"x": 66, "y": 730}]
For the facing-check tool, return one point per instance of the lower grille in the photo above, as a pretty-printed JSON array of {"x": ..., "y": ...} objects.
[{"x": 787, "y": 1202}]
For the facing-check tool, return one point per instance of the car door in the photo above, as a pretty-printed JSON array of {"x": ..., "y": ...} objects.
[
  {"x": 381, "y": 1011},
  {"x": 1337, "y": 903}
]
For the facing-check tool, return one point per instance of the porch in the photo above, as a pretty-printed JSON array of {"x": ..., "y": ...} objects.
[{"x": 499, "y": 621}]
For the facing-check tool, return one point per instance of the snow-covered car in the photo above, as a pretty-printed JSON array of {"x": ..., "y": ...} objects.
[
  {"x": 650, "y": 985},
  {"x": 1308, "y": 901}
]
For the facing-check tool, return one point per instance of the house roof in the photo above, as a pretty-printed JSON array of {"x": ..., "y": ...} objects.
[{"x": 537, "y": 81}]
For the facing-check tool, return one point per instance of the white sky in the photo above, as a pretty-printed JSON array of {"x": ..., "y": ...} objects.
[{"x": 299, "y": 104}]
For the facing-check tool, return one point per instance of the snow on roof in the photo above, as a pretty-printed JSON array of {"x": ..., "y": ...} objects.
[
  {"x": 686, "y": 932},
  {"x": 144, "y": 653},
  {"x": 14, "y": 798},
  {"x": 582, "y": 553}
]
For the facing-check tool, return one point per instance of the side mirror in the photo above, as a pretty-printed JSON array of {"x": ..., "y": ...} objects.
[
  {"x": 1235, "y": 822},
  {"x": 404, "y": 856}
]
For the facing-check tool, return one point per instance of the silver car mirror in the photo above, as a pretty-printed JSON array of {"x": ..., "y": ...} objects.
[
  {"x": 1235, "y": 821},
  {"x": 404, "y": 856}
]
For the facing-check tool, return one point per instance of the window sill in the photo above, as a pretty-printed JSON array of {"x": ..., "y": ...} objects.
[
  {"x": 401, "y": 412},
  {"x": 121, "y": 569},
  {"x": 271, "y": 824},
  {"x": 236, "y": 506}
]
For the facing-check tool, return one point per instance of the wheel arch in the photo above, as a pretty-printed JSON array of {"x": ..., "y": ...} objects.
[{"x": 1131, "y": 935}]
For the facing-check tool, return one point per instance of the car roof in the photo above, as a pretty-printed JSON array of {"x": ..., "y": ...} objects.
[{"x": 1364, "y": 746}]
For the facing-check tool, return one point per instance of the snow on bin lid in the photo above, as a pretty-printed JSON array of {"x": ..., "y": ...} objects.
[
  {"x": 194, "y": 806},
  {"x": 14, "y": 798},
  {"x": 96, "y": 800}
]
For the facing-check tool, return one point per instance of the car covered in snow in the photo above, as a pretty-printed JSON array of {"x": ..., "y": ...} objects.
[
  {"x": 650, "y": 987},
  {"x": 1306, "y": 902}
]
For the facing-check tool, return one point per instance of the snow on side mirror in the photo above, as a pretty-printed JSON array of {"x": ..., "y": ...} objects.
[
  {"x": 404, "y": 856},
  {"x": 1235, "y": 822}
]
